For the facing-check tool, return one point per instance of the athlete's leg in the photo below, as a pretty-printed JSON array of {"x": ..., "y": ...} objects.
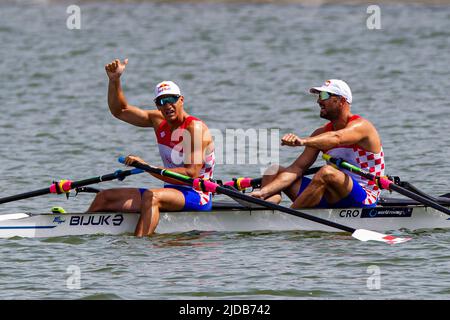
[
  {"x": 152, "y": 202},
  {"x": 117, "y": 200},
  {"x": 328, "y": 182},
  {"x": 271, "y": 174},
  {"x": 293, "y": 189}
]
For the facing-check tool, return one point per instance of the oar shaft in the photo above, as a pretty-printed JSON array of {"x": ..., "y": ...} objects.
[
  {"x": 273, "y": 206},
  {"x": 385, "y": 183},
  {"x": 348, "y": 166},
  {"x": 236, "y": 194},
  {"x": 161, "y": 172},
  {"x": 104, "y": 178},
  {"x": 25, "y": 195},
  {"x": 73, "y": 185},
  {"x": 419, "y": 198}
]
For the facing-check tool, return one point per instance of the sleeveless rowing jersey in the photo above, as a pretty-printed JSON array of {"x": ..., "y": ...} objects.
[
  {"x": 172, "y": 153},
  {"x": 366, "y": 160}
]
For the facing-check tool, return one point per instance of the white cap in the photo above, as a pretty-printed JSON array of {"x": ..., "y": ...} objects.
[
  {"x": 166, "y": 87},
  {"x": 335, "y": 86}
]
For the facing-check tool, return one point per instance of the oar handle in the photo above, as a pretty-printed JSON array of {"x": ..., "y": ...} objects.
[
  {"x": 121, "y": 159},
  {"x": 159, "y": 171},
  {"x": 341, "y": 163},
  {"x": 381, "y": 182}
]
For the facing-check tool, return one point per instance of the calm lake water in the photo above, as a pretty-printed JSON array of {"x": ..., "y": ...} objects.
[{"x": 240, "y": 66}]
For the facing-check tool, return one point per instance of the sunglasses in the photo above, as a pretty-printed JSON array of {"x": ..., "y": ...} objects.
[
  {"x": 170, "y": 100},
  {"x": 323, "y": 95}
]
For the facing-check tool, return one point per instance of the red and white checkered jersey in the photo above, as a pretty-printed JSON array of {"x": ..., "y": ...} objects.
[
  {"x": 170, "y": 146},
  {"x": 366, "y": 160}
]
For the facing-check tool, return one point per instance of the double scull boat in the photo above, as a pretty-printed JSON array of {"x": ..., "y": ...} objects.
[
  {"x": 418, "y": 212},
  {"x": 391, "y": 214}
]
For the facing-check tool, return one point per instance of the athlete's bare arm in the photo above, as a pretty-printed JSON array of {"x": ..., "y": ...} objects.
[
  {"x": 118, "y": 104},
  {"x": 286, "y": 177},
  {"x": 360, "y": 132}
]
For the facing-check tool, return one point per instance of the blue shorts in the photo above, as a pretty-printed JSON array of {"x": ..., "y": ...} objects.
[
  {"x": 355, "y": 198},
  {"x": 191, "y": 198}
]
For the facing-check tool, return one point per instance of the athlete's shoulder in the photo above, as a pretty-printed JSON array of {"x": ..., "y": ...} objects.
[
  {"x": 156, "y": 117},
  {"x": 357, "y": 120},
  {"x": 194, "y": 122}
]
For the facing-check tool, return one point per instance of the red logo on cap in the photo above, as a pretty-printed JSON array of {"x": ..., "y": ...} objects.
[
  {"x": 163, "y": 87},
  {"x": 327, "y": 83}
]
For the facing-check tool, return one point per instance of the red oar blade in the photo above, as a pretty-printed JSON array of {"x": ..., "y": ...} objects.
[{"x": 367, "y": 235}]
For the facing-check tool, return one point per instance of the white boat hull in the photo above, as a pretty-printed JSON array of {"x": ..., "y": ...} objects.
[{"x": 232, "y": 219}]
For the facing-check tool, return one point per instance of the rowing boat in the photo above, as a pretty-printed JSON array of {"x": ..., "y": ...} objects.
[
  {"x": 420, "y": 211},
  {"x": 391, "y": 214}
]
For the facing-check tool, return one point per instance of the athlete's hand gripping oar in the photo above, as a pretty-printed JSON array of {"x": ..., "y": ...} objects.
[
  {"x": 64, "y": 186},
  {"x": 384, "y": 183},
  {"x": 209, "y": 186}
]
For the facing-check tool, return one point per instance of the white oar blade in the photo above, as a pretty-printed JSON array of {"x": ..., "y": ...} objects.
[
  {"x": 13, "y": 216},
  {"x": 367, "y": 235}
]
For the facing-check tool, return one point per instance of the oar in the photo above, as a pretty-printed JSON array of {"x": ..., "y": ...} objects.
[
  {"x": 65, "y": 186},
  {"x": 384, "y": 183},
  {"x": 244, "y": 183},
  {"x": 209, "y": 186}
]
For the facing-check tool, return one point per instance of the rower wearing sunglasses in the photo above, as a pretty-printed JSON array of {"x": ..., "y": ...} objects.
[
  {"x": 347, "y": 136},
  {"x": 185, "y": 145}
]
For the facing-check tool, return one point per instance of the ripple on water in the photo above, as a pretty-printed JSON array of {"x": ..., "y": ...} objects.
[
  {"x": 72, "y": 240},
  {"x": 255, "y": 294},
  {"x": 101, "y": 296}
]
